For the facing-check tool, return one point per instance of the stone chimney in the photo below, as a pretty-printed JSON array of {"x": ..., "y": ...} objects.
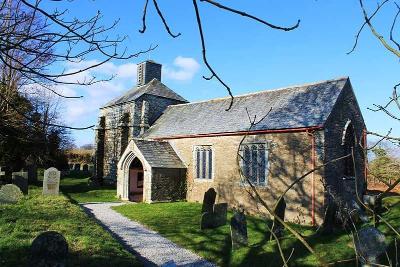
[{"x": 147, "y": 71}]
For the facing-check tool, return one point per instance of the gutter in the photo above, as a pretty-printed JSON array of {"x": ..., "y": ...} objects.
[{"x": 254, "y": 132}]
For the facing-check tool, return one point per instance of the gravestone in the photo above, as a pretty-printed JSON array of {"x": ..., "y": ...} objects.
[
  {"x": 20, "y": 179},
  {"x": 370, "y": 244},
  {"x": 91, "y": 169},
  {"x": 10, "y": 194},
  {"x": 216, "y": 218},
  {"x": 220, "y": 214},
  {"x": 239, "y": 230},
  {"x": 85, "y": 168},
  {"x": 2, "y": 173},
  {"x": 77, "y": 167},
  {"x": 49, "y": 249},
  {"x": 209, "y": 200},
  {"x": 207, "y": 220},
  {"x": 51, "y": 181},
  {"x": 277, "y": 227},
  {"x": 32, "y": 173}
]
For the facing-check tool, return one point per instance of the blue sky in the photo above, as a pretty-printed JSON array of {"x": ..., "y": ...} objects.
[{"x": 248, "y": 56}]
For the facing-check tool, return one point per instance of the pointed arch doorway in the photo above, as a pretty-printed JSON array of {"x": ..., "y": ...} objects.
[{"x": 136, "y": 179}]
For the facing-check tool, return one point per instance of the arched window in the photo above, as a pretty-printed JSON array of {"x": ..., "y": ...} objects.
[{"x": 348, "y": 143}]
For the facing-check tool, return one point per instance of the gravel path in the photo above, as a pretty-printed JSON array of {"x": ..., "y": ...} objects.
[{"x": 150, "y": 247}]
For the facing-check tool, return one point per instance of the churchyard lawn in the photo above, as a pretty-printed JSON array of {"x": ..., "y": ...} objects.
[
  {"x": 180, "y": 222},
  {"x": 89, "y": 244},
  {"x": 77, "y": 189}
]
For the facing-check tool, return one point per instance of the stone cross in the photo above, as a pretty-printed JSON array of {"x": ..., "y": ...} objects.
[
  {"x": 239, "y": 230},
  {"x": 51, "y": 181},
  {"x": 20, "y": 179}
]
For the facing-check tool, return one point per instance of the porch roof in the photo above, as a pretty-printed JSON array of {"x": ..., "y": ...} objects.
[{"x": 159, "y": 154}]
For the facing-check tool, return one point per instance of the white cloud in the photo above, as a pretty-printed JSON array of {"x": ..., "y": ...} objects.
[{"x": 184, "y": 70}]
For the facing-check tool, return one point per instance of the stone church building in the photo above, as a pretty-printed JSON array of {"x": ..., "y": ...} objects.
[{"x": 159, "y": 147}]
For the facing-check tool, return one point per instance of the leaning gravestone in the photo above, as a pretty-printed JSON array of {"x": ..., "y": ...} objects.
[
  {"x": 51, "y": 181},
  {"x": 10, "y": 194},
  {"x": 239, "y": 230},
  {"x": 370, "y": 244},
  {"x": 20, "y": 179},
  {"x": 220, "y": 214},
  {"x": 216, "y": 218},
  {"x": 277, "y": 227},
  {"x": 209, "y": 200},
  {"x": 49, "y": 249}
]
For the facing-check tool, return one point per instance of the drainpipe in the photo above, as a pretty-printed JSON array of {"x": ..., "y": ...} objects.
[
  {"x": 364, "y": 135},
  {"x": 312, "y": 141}
]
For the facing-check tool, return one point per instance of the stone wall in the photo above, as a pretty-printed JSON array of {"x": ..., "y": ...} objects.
[
  {"x": 123, "y": 122},
  {"x": 168, "y": 184},
  {"x": 345, "y": 109},
  {"x": 289, "y": 158}
]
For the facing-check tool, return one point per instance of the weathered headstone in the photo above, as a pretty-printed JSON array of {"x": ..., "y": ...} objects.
[
  {"x": 51, "y": 181},
  {"x": 220, "y": 214},
  {"x": 370, "y": 244},
  {"x": 207, "y": 220},
  {"x": 239, "y": 230},
  {"x": 77, "y": 167},
  {"x": 49, "y": 249},
  {"x": 20, "y": 179},
  {"x": 85, "y": 168},
  {"x": 10, "y": 194},
  {"x": 32, "y": 173},
  {"x": 209, "y": 200},
  {"x": 277, "y": 227},
  {"x": 2, "y": 173},
  {"x": 91, "y": 169}
]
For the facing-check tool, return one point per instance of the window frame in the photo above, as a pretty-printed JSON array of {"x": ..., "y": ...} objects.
[
  {"x": 267, "y": 150},
  {"x": 195, "y": 178}
]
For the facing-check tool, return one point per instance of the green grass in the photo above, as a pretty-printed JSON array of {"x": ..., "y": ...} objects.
[
  {"x": 89, "y": 244},
  {"x": 77, "y": 189},
  {"x": 180, "y": 221}
]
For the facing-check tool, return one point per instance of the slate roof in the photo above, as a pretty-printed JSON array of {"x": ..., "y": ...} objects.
[
  {"x": 154, "y": 87},
  {"x": 159, "y": 154},
  {"x": 292, "y": 107}
]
